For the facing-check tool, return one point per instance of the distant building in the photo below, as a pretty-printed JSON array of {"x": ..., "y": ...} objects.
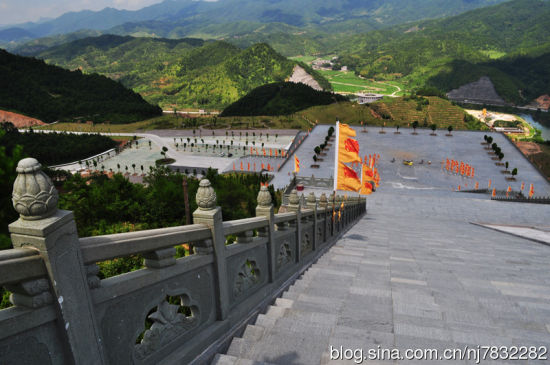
[{"x": 368, "y": 98}]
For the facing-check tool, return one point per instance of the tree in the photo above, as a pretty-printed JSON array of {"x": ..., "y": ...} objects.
[
  {"x": 433, "y": 128},
  {"x": 415, "y": 125},
  {"x": 315, "y": 158},
  {"x": 149, "y": 144},
  {"x": 134, "y": 167},
  {"x": 118, "y": 166},
  {"x": 317, "y": 150},
  {"x": 163, "y": 152},
  {"x": 506, "y": 165},
  {"x": 450, "y": 129},
  {"x": 142, "y": 169},
  {"x": 489, "y": 139},
  {"x": 514, "y": 172},
  {"x": 500, "y": 156},
  {"x": 397, "y": 128}
]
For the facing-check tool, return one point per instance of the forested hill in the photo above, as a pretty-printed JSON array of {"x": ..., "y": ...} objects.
[
  {"x": 50, "y": 93},
  {"x": 280, "y": 98},
  {"x": 178, "y": 73},
  {"x": 432, "y": 49}
]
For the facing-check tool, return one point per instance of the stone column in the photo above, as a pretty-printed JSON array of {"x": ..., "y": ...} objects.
[
  {"x": 265, "y": 209},
  {"x": 323, "y": 204},
  {"x": 295, "y": 206},
  {"x": 312, "y": 204},
  {"x": 211, "y": 215},
  {"x": 53, "y": 234}
]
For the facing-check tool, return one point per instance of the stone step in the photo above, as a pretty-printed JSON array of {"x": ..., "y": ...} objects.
[
  {"x": 275, "y": 311},
  {"x": 238, "y": 347},
  {"x": 221, "y": 359},
  {"x": 253, "y": 333},
  {"x": 265, "y": 321},
  {"x": 284, "y": 302},
  {"x": 284, "y": 347}
]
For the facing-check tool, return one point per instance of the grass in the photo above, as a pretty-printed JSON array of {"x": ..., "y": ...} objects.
[
  {"x": 304, "y": 59},
  {"x": 348, "y": 82},
  {"x": 542, "y": 159}
]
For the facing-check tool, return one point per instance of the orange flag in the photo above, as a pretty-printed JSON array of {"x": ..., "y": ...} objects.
[
  {"x": 494, "y": 193},
  {"x": 477, "y": 185},
  {"x": 249, "y": 166},
  {"x": 347, "y": 178},
  {"x": 376, "y": 176},
  {"x": 296, "y": 164},
  {"x": 473, "y": 173},
  {"x": 348, "y": 148},
  {"x": 489, "y": 186},
  {"x": 263, "y": 166},
  {"x": 458, "y": 187},
  {"x": 233, "y": 166},
  {"x": 254, "y": 166},
  {"x": 522, "y": 185},
  {"x": 367, "y": 181},
  {"x": 242, "y": 166}
]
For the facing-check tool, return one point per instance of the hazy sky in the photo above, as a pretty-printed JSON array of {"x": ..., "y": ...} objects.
[{"x": 19, "y": 11}]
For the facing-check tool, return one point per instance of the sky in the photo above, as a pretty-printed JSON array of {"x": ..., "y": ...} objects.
[{"x": 20, "y": 11}]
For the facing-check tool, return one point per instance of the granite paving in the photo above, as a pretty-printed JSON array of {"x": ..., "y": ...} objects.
[{"x": 414, "y": 273}]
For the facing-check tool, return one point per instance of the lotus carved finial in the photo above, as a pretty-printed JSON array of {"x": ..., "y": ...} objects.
[{"x": 34, "y": 196}]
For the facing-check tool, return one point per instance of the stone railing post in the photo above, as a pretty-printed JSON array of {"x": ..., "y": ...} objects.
[
  {"x": 265, "y": 209},
  {"x": 323, "y": 204},
  {"x": 311, "y": 203},
  {"x": 294, "y": 205},
  {"x": 53, "y": 234},
  {"x": 211, "y": 215}
]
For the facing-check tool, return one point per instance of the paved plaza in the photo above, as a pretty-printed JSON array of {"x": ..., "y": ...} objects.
[{"x": 462, "y": 146}]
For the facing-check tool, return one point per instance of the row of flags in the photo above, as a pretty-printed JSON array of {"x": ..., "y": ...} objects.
[
  {"x": 459, "y": 167},
  {"x": 252, "y": 166},
  {"x": 508, "y": 190},
  {"x": 272, "y": 152}
]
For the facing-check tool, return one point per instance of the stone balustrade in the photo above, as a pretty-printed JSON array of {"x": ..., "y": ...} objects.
[{"x": 180, "y": 310}]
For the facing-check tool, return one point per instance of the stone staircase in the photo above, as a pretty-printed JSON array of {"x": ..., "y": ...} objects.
[{"x": 294, "y": 330}]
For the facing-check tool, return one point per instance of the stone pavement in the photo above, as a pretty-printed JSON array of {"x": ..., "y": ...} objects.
[
  {"x": 413, "y": 273},
  {"x": 463, "y": 145}
]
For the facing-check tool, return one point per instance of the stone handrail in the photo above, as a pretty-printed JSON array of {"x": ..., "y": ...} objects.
[
  {"x": 20, "y": 264},
  {"x": 170, "y": 311},
  {"x": 101, "y": 248}
]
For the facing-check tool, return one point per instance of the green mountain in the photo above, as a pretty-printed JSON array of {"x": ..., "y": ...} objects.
[
  {"x": 183, "y": 18},
  {"x": 436, "y": 52},
  {"x": 280, "y": 98},
  {"x": 51, "y": 93},
  {"x": 178, "y": 73}
]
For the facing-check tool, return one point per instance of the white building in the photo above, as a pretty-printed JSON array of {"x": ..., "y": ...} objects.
[{"x": 368, "y": 98}]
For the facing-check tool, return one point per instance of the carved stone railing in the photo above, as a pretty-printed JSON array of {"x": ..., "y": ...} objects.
[{"x": 174, "y": 310}]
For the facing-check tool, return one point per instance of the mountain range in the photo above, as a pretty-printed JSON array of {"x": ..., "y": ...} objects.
[
  {"x": 183, "y": 18},
  {"x": 178, "y": 73}
]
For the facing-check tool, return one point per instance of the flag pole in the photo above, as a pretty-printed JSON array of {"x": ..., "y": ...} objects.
[{"x": 336, "y": 154}]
